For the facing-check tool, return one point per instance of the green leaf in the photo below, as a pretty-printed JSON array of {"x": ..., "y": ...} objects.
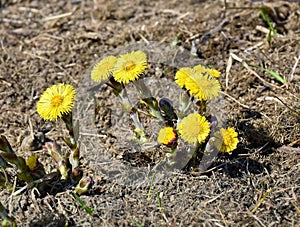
[
  {"x": 267, "y": 20},
  {"x": 137, "y": 223},
  {"x": 89, "y": 210},
  {"x": 272, "y": 73}
]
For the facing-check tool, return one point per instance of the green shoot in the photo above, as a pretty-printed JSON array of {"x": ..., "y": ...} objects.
[
  {"x": 159, "y": 201},
  {"x": 267, "y": 20},
  {"x": 89, "y": 210},
  {"x": 136, "y": 223},
  {"x": 272, "y": 73},
  {"x": 261, "y": 200},
  {"x": 151, "y": 187}
]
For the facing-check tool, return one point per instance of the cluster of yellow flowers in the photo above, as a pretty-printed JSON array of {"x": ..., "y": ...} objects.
[
  {"x": 58, "y": 99},
  {"x": 200, "y": 82},
  {"x": 126, "y": 68}
]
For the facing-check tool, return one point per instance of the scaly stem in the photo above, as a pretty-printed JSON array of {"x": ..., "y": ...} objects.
[
  {"x": 55, "y": 152},
  {"x": 184, "y": 103},
  {"x": 139, "y": 129},
  {"x": 72, "y": 143},
  {"x": 148, "y": 99}
]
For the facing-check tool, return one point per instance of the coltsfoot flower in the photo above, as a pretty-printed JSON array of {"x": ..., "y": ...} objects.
[
  {"x": 103, "y": 69},
  {"x": 167, "y": 136},
  {"x": 56, "y": 101},
  {"x": 182, "y": 75},
  {"x": 203, "y": 70},
  {"x": 31, "y": 162},
  {"x": 194, "y": 128},
  {"x": 226, "y": 139},
  {"x": 203, "y": 87},
  {"x": 130, "y": 66}
]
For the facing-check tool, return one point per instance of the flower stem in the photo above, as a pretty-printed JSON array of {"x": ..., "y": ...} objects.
[
  {"x": 148, "y": 99},
  {"x": 126, "y": 103},
  {"x": 72, "y": 143},
  {"x": 184, "y": 103}
]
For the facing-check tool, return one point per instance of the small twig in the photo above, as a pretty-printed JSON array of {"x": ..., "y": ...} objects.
[
  {"x": 222, "y": 216},
  {"x": 93, "y": 135},
  {"x": 33, "y": 198},
  {"x": 294, "y": 111},
  {"x": 183, "y": 15},
  {"x": 228, "y": 67},
  {"x": 213, "y": 199},
  {"x": 31, "y": 128},
  {"x": 291, "y": 76},
  {"x": 144, "y": 38},
  {"x": 55, "y": 17},
  {"x": 257, "y": 219},
  {"x": 285, "y": 189},
  {"x": 233, "y": 99}
]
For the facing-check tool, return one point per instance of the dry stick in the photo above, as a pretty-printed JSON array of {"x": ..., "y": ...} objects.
[
  {"x": 256, "y": 46},
  {"x": 214, "y": 198},
  {"x": 257, "y": 219},
  {"x": 58, "y": 16},
  {"x": 222, "y": 216},
  {"x": 33, "y": 198},
  {"x": 291, "y": 76},
  {"x": 291, "y": 109},
  {"x": 286, "y": 189},
  {"x": 235, "y": 100},
  {"x": 144, "y": 38},
  {"x": 31, "y": 129},
  {"x": 228, "y": 67}
]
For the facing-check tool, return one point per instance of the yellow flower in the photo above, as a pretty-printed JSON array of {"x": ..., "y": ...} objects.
[
  {"x": 31, "y": 162},
  {"x": 194, "y": 127},
  {"x": 103, "y": 69},
  {"x": 203, "y": 70},
  {"x": 130, "y": 66},
  {"x": 56, "y": 101},
  {"x": 182, "y": 75},
  {"x": 203, "y": 87},
  {"x": 167, "y": 136},
  {"x": 226, "y": 139}
]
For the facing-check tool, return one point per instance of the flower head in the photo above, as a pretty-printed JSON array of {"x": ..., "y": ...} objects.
[
  {"x": 130, "y": 66},
  {"x": 167, "y": 136},
  {"x": 56, "y": 101},
  {"x": 103, "y": 69},
  {"x": 226, "y": 139},
  {"x": 194, "y": 127},
  {"x": 32, "y": 162},
  {"x": 182, "y": 75},
  {"x": 203, "y": 70},
  {"x": 203, "y": 87}
]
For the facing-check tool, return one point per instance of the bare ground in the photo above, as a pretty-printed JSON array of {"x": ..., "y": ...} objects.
[{"x": 47, "y": 42}]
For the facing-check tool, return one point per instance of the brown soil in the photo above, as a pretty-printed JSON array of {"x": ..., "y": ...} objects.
[{"x": 46, "y": 42}]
